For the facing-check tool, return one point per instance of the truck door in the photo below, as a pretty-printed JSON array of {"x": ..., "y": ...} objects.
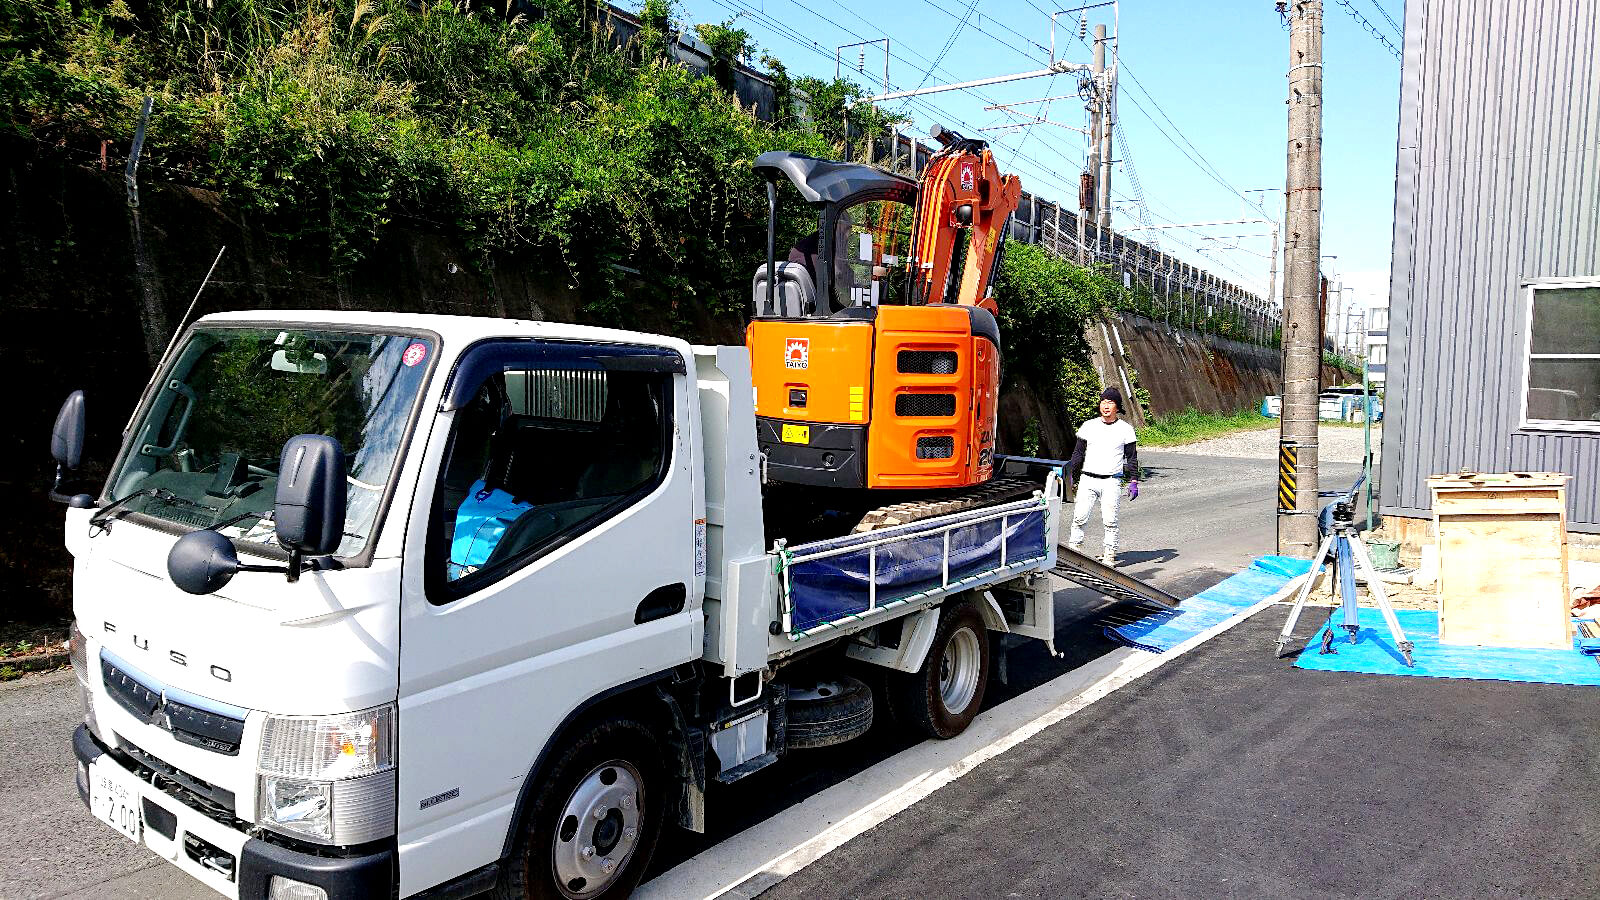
[{"x": 551, "y": 557}]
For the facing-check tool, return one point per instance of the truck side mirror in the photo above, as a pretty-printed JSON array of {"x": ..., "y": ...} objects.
[
  {"x": 66, "y": 446},
  {"x": 310, "y": 507},
  {"x": 66, "y": 438},
  {"x": 202, "y": 562}
]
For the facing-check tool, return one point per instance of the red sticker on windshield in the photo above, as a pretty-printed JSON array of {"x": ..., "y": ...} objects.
[{"x": 415, "y": 354}]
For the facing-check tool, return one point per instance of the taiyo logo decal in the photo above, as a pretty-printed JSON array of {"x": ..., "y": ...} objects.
[
  {"x": 967, "y": 178},
  {"x": 796, "y": 353}
]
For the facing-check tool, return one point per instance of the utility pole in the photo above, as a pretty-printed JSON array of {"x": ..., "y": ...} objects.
[
  {"x": 1097, "y": 71},
  {"x": 1107, "y": 94},
  {"x": 1302, "y": 340}
]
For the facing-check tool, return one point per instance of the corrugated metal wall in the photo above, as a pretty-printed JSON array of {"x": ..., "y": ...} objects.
[{"x": 1498, "y": 183}]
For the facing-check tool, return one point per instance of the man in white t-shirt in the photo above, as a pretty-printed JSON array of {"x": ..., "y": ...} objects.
[{"x": 1106, "y": 453}]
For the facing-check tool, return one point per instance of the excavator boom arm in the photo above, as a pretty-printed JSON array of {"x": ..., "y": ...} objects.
[{"x": 961, "y": 188}]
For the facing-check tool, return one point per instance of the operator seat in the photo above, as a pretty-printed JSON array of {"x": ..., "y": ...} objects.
[{"x": 795, "y": 297}]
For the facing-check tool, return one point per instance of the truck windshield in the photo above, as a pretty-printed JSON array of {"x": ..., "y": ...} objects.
[{"x": 205, "y": 453}]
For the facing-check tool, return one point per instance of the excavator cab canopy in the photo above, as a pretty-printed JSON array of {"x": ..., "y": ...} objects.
[{"x": 833, "y": 188}]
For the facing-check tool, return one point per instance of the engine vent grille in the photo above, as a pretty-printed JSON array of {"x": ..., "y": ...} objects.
[
  {"x": 919, "y": 405},
  {"x": 926, "y": 362},
  {"x": 941, "y": 447}
]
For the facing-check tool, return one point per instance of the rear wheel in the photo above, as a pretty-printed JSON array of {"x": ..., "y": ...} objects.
[
  {"x": 942, "y": 698},
  {"x": 594, "y": 821}
]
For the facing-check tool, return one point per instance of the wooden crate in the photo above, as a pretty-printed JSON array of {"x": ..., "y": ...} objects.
[{"x": 1502, "y": 559}]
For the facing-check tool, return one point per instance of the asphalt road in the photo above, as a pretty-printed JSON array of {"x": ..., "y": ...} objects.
[
  {"x": 1227, "y": 772},
  {"x": 1198, "y": 519}
]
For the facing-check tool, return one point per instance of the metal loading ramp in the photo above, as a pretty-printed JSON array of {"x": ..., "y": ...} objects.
[{"x": 1096, "y": 576}]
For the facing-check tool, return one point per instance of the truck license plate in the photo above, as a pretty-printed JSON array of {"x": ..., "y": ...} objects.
[
  {"x": 114, "y": 799},
  {"x": 796, "y": 434}
]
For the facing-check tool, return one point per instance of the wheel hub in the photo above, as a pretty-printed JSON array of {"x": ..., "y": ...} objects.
[
  {"x": 598, "y": 830},
  {"x": 959, "y": 670}
]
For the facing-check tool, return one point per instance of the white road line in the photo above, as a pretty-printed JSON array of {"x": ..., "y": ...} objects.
[{"x": 765, "y": 854}]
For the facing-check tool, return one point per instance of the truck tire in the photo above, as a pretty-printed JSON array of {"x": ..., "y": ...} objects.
[
  {"x": 595, "y": 819},
  {"x": 942, "y": 698},
  {"x": 827, "y": 712}
]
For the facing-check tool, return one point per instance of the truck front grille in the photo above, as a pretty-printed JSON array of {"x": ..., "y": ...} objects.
[{"x": 148, "y": 701}]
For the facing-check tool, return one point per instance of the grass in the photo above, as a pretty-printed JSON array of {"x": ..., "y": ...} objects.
[
  {"x": 1192, "y": 425},
  {"x": 24, "y": 648}
]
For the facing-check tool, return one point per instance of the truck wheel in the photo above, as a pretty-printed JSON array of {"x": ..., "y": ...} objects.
[
  {"x": 828, "y": 712},
  {"x": 942, "y": 698},
  {"x": 594, "y": 821}
]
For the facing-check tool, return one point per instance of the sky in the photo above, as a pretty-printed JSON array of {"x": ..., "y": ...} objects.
[{"x": 1201, "y": 101}]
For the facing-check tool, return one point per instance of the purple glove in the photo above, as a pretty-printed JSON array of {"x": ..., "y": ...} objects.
[{"x": 1133, "y": 490}]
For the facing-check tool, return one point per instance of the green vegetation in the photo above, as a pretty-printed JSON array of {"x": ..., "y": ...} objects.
[
  {"x": 1348, "y": 364},
  {"x": 1192, "y": 425},
  {"x": 531, "y": 129},
  {"x": 334, "y": 123},
  {"x": 1045, "y": 304}
]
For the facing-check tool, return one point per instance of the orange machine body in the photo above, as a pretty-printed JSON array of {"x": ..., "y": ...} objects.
[
  {"x": 901, "y": 393},
  {"x": 896, "y": 397}
]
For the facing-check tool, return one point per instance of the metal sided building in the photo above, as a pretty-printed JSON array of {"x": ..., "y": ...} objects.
[{"x": 1494, "y": 324}]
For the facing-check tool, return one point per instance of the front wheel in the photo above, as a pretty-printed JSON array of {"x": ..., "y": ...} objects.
[
  {"x": 595, "y": 819},
  {"x": 942, "y": 698}
]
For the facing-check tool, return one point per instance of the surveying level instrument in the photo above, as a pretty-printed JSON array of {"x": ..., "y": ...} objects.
[{"x": 1342, "y": 546}]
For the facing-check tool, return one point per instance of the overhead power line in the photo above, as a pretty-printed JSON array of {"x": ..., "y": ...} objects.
[
  {"x": 948, "y": 43},
  {"x": 1369, "y": 28},
  {"x": 1399, "y": 32}
]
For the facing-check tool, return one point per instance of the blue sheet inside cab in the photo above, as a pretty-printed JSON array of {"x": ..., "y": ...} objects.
[{"x": 828, "y": 589}]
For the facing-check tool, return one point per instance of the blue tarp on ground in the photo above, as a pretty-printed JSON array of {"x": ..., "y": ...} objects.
[
  {"x": 1374, "y": 653},
  {"x": 828, "y": 589},
  {"x": 1164, "y": 630}
]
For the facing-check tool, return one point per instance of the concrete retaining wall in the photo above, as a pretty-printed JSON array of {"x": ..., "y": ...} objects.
[{"x": 1184, "y": 369}]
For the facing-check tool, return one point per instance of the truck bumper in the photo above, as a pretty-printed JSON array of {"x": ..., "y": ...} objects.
[{"x": 239, "y": 866}]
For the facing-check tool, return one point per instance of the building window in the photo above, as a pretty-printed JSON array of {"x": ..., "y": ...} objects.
[
  {"x": 1377, "y": 354},
  {"x": 1563, "y": 356}
]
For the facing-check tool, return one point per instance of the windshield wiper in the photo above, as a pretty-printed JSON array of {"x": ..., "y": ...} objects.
[
  {"x": 237, "y": 519},
  {"x": 102, "y": 520}
]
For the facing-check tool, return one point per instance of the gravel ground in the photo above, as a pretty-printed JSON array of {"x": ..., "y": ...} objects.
[{"x": 1336, "y": 444}]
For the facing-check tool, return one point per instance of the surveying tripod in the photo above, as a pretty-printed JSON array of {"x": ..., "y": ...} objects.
[{"x": 1344, "y": 548}]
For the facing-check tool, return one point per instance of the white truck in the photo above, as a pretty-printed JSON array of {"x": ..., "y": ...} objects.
[{"x": 382, "y": 605}]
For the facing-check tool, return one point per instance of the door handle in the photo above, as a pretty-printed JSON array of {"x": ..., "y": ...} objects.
[{"x": 664, "y": 601}]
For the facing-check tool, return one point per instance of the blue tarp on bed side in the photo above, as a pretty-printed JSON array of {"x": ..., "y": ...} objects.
[
  {"x": 1162, "y": 631},
  {"x": 1374, "y": 653},
  {"x": 825, "y": 590}
]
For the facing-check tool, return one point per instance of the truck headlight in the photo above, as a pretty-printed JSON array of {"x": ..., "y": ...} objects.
[
  {"x": 78, "y": 651},
  {"x": 329, "y": 779}
]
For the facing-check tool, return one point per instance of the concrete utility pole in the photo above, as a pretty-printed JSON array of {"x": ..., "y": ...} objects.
[
  {"x": 1302, "y": 340},
  {"x": 1097, "y": 70},
  {"x": 1107, "y": 111}
]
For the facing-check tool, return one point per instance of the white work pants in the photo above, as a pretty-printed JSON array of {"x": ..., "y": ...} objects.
[{"x": 1108, "y": 491}]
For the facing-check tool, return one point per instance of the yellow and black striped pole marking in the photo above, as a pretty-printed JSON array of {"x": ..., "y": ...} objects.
[{"x": 1288, "y": 456}]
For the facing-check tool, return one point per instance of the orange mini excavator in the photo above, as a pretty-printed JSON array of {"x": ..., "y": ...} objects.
[{"x": 877, "y": 367}]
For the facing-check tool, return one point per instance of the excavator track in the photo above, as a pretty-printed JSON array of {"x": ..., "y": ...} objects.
[{"x": 990, "y": 493}]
